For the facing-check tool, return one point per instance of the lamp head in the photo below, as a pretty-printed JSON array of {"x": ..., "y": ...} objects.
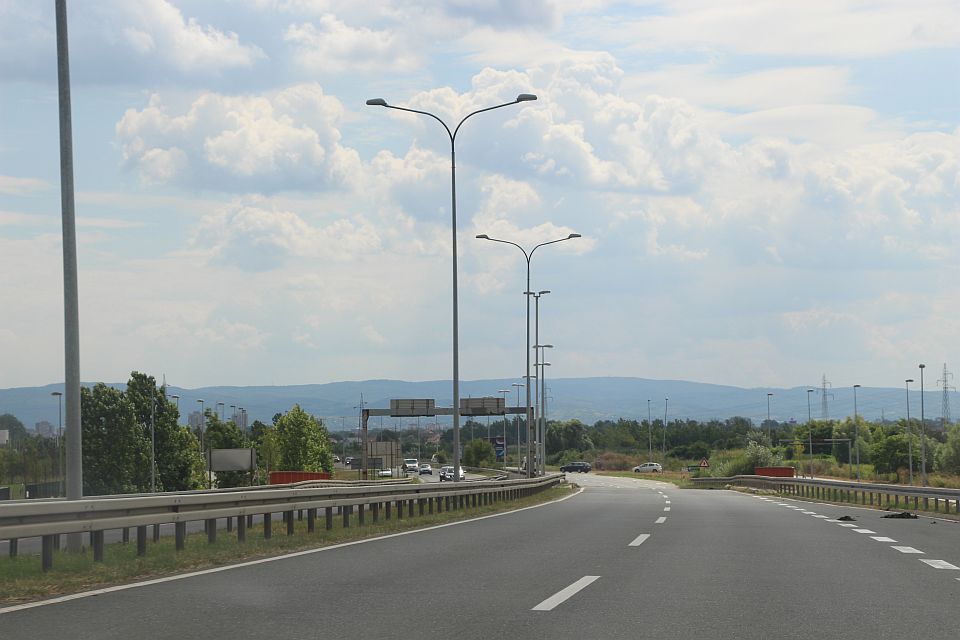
[
  {"x": 923, "y": 366},
  {"x": 376, "y": 102},
  {"x": 573, "y": 235},
  {"x": 56, "y": 393},
  {"x": 856, "y": 386},
  {"x": 540, "y": 293},
  {"x": 483, "y": 236},
  {"x": 909, "y": 380},
  {"x": 526, "y": 97}
]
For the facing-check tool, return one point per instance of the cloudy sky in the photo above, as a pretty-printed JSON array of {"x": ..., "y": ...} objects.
[{"x": 767, "y": 191}]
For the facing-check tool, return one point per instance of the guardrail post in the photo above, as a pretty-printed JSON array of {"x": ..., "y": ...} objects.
[
  {"x": 399, "y": 509},
  {"x": 241, "y": 529},
  {"x": 156, "y": 533},
  {"x": 250, "y": 521},
  {"x": 421, "y": 505},
  {"x": 446, "y": 503},
  {"x": 360, "y": 513},
  {"x": 96, "y": 541},
  {"x": 267, "y": 526},
  {"x": 926, "y": 503},
  {"x": 328, "y": 514},
  {"x": 410, "y": 507},
  {"x": 311, "y": 520},
  {"x": 179, "y": 534},
  {"x": 230, "y": 524},
  {"x": 345, "y": 510},
  {"x": 47, "y": 553},
  {"x": 126, "y": 535},
  {"x": 300, "y": 515},
  {"x": 376, "y": 512},
  {"x": 389, "y": 509},
  {"x": 12, "y": 548},
  {"x": 211, "y": 530},
  {"x": 142, "y": 540},
  {"x": 916, "y": 502},
  {"x": 473, "y": 500},
  {"x": 430, "y": 505},
  {"x": 289, "y": 518}
]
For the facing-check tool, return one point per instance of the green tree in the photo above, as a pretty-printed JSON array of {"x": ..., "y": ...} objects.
[
  {"x": 9, "y": 422},
  {"x": 302, "y": 442},
  {"x": 116, "y": 455},
  {"x": 948, "y": 454},
  {"x": 479, "y": 453},
  {"x": 226, "y": 435}
]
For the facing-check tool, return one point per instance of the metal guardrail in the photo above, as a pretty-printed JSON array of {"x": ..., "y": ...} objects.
[
  {"x": 863, "y": 493},
  {"x": 50, "y": 519}
]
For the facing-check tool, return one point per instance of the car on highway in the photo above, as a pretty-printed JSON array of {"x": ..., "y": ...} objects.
[
  {"x": 347, "y": 461},
  {"x": 648, "y": 467},
  {"x": 446, "y": 473},
  {"x": 579, "y": 466},
  {"x": 410, "y": 465},
  {"x": 385, "y": 473},
  {"x": 426, "y": 469},
  {"x": 336, "y": 458}
]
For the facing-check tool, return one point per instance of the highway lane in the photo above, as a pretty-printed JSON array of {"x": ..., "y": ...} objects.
[{"x": 731, "y": 565}]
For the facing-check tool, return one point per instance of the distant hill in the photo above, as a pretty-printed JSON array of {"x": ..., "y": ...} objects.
[{"x": 588, "y": 399}]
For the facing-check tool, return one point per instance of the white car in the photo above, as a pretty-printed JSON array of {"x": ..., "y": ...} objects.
[
  {"x": 648, "y": 467},
  {"x": 385, "y": 473},
  {"x": 410, "y": 465},
  {"x": 446, "y": 473},
  {"x": 425, "y": 468}
]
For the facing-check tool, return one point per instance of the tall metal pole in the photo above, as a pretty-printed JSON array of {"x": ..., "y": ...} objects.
[
  {"x": 153, "y": 441},
  {"x": 518, "y": 385},
  {"x": 856, "y": 428},
  {"x": 649, "y": 432},
  {"x": 505, "y": 392},
  {"x": 665, "y": 402},
  {"x": 543, "y": 414},
  {"x": 536, "y": 368},
  {"x": 380, "y": 102},
  {"x": 769, "y": 428},
  {"x": 59, "y": 396},
  {"x": 909, "y": 431},
  {"x": 923, "y": 433},
  {"x": 71, "y": 296},
  {"x": 810, "y": 431}
]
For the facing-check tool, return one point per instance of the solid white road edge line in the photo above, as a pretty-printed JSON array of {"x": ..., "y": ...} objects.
[
  {"x": 640, "y": 539},
  {"x": 565, "y": 594},
  {"x": 296, "y": 554}
]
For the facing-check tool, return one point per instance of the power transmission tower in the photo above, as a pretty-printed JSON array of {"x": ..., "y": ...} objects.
[
  {"x": 824, "y": 414},
  {"x": 945, "y": 404}
]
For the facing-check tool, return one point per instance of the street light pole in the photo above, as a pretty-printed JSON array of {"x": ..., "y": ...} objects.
[
  {"x": 71, "y": 296},
  {"x": 769, "y": 428},
  {"x": 505, "y": 392},
  {"x": 518, "y": 386},
  {"x": 665, "y": 402},
  {"x": 528, "y": 256},
  {"x": 909, "y": 431},
  {"x": 649, "y": 432},
  {"x": 59, "y": 440},
  {"x": 542, "y": 449},
  {"x": 380, "y": 102},
  {"x": 810, "y": 431},
  {"x": 856, "y": 428},
  {"x": 923, "y": 433}
]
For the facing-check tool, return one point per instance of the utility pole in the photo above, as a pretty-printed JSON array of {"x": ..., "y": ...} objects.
[
  {"x": 824, "y": 414},
  {"x": 649, "y": 432},
  {"x": 945, "y": 402},
  {"x": 923, "y": 432}
]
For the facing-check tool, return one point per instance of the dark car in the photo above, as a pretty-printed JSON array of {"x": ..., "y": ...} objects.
[{"x": 582, "y": 467}]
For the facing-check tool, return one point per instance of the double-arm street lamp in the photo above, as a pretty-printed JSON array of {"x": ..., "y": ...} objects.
[
  {"x": 528, "y": 255},
  {"x": 380, "y": 102}
]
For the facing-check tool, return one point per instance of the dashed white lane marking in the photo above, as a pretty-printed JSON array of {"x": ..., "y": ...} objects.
[
  {"x": 939, "y": 564},
  {"x": 665, "y": 496},
  {"x": 883, "y": 539},
  {"x": 863, "y": 531},
  {"x": 565, "y": 594},
  {"x": 661, "y": 520},
  {"x": 832, "y": 520},
  {"x": 809, "y": 513},
  {"x": 846, "y": 524},
  {"x": 906, "y": 549},
  {"x": 640, "y": 539},
  {"x": 782, "y": 504},
  {"x": 820, "y": 516},
  {"x": 666, "y": 508},
  {"x": 666, "y": 502}
]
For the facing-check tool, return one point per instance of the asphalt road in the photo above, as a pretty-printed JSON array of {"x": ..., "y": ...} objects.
[{"x": 626, "y": 558}]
